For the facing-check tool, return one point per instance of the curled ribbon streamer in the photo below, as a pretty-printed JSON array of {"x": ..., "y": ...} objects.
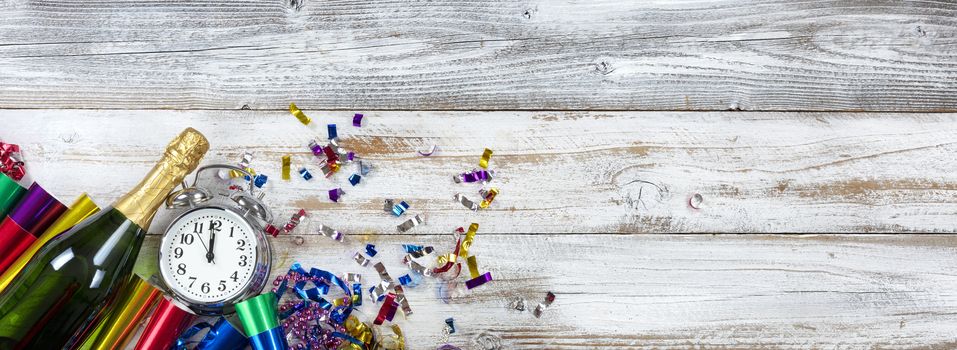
[
  {"x": 427, "y": 153},
  {"x": 183, "y": 339},
  {"x": 11, "y": 161}
]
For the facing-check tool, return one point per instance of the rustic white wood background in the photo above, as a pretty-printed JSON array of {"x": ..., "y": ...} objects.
[{"x": 833, "y": 119}]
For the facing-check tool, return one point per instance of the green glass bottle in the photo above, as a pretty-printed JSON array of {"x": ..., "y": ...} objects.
[{"x": 60, "y": 295}]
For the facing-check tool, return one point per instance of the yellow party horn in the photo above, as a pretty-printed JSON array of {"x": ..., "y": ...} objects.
[
  {"x": 82, "y": 208},
  {"x": 133, "y": 306}
]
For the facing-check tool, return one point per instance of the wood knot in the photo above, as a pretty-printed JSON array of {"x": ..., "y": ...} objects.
[
  {"x": 921, "y": 32},
  {"x": 244, "y": 108},
  {"x": 527, "y": 14},
  {"x": 604, "y": 68},
  {"x": 296, "y": 4}
]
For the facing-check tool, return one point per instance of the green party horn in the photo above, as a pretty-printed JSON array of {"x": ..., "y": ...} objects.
[
  {"x": 10, "y": 194},
  {"x": 261, "y": 322}
]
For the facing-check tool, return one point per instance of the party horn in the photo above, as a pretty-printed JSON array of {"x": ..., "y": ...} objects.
[
  {"x": 166, "y": 324},
  {"x": 82, "y": 208},
  {"x": 133, "y": 305},
  {"x": 10, "y": 194},
  {"x": 33, "y": 215},
  {"x": 261, "y": 322}
]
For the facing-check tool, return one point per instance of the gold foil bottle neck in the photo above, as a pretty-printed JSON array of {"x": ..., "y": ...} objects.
[{"x": 182, "y": 156}]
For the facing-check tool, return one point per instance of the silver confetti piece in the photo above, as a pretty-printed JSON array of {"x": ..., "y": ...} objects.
[
  {"x": 360, "y": 259},
  {"x": 245, "y": 160},
  {"x": 409, "y": 224},
  {"x": 403, "y": 301},
  {"x": 353, "y": 277},
  {"x": 387, "y": 207},
  {"x": 538, "y": 310},
  {"x": 331, "y": 233},
  {"x": 415, "y": 266},
  {"x": 383, "y": 274},
  {"x": 466, "y": 202}
]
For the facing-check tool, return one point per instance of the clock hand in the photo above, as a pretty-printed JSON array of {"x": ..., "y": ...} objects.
[{"x": 212, "y": 240}]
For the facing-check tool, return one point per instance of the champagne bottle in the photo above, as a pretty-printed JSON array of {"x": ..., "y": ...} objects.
[{"x": 62, "y": 293}]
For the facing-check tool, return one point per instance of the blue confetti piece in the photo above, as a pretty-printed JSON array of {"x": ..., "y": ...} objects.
[
  {"x": 305, "y": 174},
  {"x": 405, "y": 280},
  {"x": 260, "y": 180},
  {"x": 400, "y": 208},
  {"x": 354, "y": 179},
  {"x": 332, "y": 131},
  {"x": 370, "y": 250}
]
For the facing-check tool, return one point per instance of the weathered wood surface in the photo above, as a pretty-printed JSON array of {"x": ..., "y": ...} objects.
[
  {"x": 497, "y": 55},
  {"x": 678, "y": 292},
  {"x": 558, "y": 172}
]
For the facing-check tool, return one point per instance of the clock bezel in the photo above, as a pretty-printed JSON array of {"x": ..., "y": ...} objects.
[{"x": 253, "y": 286}]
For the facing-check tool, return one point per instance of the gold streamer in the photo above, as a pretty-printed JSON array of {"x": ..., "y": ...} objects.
[
  {"x": 135, "y": 302},
  {"x": 299, "y": 114}
]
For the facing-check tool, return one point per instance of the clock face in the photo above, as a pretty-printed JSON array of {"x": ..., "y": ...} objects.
[{"x": 208, "y": 255}]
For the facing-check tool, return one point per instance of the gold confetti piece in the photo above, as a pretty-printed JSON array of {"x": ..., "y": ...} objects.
[
  {"x": 473, "y": 266},
  {"x": 286, "y": 166},
  {"x": 299, "y": 114},
  {"x": 489, "y": 197},
  {"x": 486, "y": 156},
  {"x": 467, "y": 242}
]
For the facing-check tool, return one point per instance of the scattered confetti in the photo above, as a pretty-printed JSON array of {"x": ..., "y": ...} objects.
[
  {"x": 489, "y": 197},
  {"x": 354, "y": 179},
  {"x": 272, "y": 230},
  {"x": 387, "y": 311},
  {"x": 305, "y": 174},
  {"x": 370, "y": 250},
  {"x": 466, "y": 202},
  {"x": 363, "y": 168},
  {"x": 360, "y": 259},
  {"x": 294, "y": 221},
  {"x": 335, "y": 193},
  {"x": 475, "y": 175},
  {"x": 517, "y": 304},
  {"x": 260, "y": 180},
  {"x": 486, "y": 157},
  {"x": 473, "y": 266},
  {"x": 450, "y": 325},
  {"x": 299, "y": 114},
  {"x": 357, "y": 120},
  {"x": 331, "y": 233},
  {"x": 286, "y": 165},
  {"x": 409, "y": 224},
  {"x": 332, "y": 131},
  {"x": 427, "y": 153},
  {"x": 400, "y": 208}
]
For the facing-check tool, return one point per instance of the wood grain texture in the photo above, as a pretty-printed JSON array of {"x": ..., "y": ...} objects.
[
  {"x": 677, "y": 292},
  {"x": 495, "y": 55},
  {"x": 558, "y": 172}
]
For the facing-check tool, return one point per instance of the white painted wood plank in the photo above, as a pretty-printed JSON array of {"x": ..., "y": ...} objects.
[
  {"x": 558, "y": 172},
  {"x": 678, "y": 292},
  {"x": 501, "y": 55}
]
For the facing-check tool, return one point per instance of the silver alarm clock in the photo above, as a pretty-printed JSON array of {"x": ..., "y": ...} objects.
[{"x": 215, "y": 254}]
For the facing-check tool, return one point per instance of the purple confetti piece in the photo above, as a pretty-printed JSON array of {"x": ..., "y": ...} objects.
[{"x": 335, "y": 193}]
